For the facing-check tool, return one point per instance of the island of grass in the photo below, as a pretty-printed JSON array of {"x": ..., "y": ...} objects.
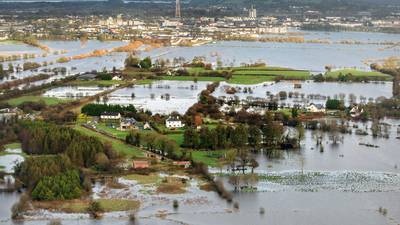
[
  {"x": 118, "y": 145},
  {"x": 240, "y": 75},
  {"x": 192, "y": 78},
  {"x": 36, "y": 98},
  {"x": 370, "y": 75},
  {"x": 81, "y": 206}
]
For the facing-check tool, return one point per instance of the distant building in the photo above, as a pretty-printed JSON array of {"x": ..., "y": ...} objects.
[
  {"x": 356, "y": 111},
  {"x": 8, "y": 114},
  {"x": 173, "y": 122},
  {"x": 117, "y": 77},
  {"x": 252, "y": 12},
  {"x": 140, "y": 164},
  {"x": 315, "y": 108},
  {"x": 110, "y": 116},
  {"x": 184, "y": 164},
  {"x": 127, "y": 124}
]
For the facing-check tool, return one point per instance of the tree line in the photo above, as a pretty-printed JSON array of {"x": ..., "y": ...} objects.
[
  {"x": 154, "y": 142},
  {"x": 269, "y": 135},
  {"x": 98, "y": 109}
]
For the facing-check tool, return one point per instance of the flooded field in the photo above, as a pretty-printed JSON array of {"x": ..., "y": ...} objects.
[
  {"x": 309, "y": 56},
  {"x": 347, "y": 183},
  {"x": 161, "y": 96},
  {"x": 311, "y": 91},
  {"x": 66, "y": 49},
  {"x": 74, "y": 91}
]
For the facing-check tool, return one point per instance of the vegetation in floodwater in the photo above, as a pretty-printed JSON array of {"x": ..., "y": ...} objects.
[{"x": 175, "y": 204}]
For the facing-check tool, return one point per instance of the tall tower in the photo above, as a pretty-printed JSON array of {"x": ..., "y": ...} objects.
[{"x": 178, "y": 9}]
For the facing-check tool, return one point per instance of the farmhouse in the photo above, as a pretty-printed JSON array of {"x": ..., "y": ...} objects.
[
  {"x": 184, "y": 164},
  {"x": 140, "y": 164},
  {"x": 173, "y": 122},
  {"x": 110, "y": 116},
  {"x": 127, "y": 124},
  {"x": 355, "y": 111},
  {"x": 315, "y": 108}
]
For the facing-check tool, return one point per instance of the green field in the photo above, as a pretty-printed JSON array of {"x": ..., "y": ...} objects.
[
  {"x": 249, "y": 79},
  {"x": 178, "y": 138},
  {"x": 210, "y": 158},
  {"x": 29, "y": 98},
  {"x": 359, "y": 73},
  {"x": 286, "y": 74},
  {"x": 192, "y": 78},
  {"x": 13, "y": 145},
  {"x": 120, "y": 146},
  {"x": 117, "y": 133},
  {"x": 96, "y": 82}
]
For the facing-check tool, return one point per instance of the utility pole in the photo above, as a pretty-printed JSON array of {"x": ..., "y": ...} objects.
[{"x": 178, "y": 9}]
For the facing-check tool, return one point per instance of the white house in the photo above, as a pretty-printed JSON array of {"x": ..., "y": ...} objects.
[
  {"x": 173, "y": 122},
  {"x": 356, "y": 111},
  {"x": 315, "y": 108},
  {"x": 110, "y": 116},
  {"x": 117, "y": 77}
]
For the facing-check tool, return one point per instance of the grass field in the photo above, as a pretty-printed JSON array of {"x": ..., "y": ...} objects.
[
  {"x": 30, "y": 98},
  {"x": 113, "y": 131},
  {"x": 192, "y": 78},
  {"x": 359, "y": 73},
  {"x": 80, "y": 206},
  {"x": 96, "y": 82},
  {"x": 13, "y": 145},
  {"x": 287, "y": 74},
  {"x": 178, "y": 138},
  {"x": 210, "y": 158},
  {"x": 120, "y": 146},
  {"x": 144, "y": 179},
  {"x": 249, "y": 79}
]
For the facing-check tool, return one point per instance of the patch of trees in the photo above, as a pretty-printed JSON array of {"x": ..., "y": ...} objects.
[
  {"x": 59, "y": 187},
  {"x": 334, "y": 104},
  {"x": 30, "y": 65},
  {"x": 32, "y": 106},
  {"x": 104, "y": 76},
  {"x": 348, "y": 77},
  {"x": 207, "y": 104},
  {"x": 154, "y": 142},
  {"x": 43, "y": 139},
  {"x": 98, "y": 109},
  {"x": 269, "y": 135},
  {"x": 132, "y": 61},
  {"x": 12, "y": 93},
  {"x": 14, "y": 83},
  {"x": 8, "y": 132},
  {"x": 34, "y": 168}
]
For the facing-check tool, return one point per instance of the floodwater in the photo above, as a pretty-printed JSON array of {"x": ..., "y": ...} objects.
[
  {"x": 308, "y": 56},
  {"x": 72, "y": 48},
  {"x": 362, "y": 91},
  {"x": 10, "y": 159},
  {"x": 74, "y": 91},
  {"x": 345, "y": 184},
  {"x": 154, "y": 97}
]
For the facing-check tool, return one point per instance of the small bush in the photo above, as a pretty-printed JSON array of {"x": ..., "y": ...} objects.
[
  {"x": 236, "y": 205},
  {"x": 54, "y": 222},
  {"x": 18, "y": 208},
  {"x": 175, "y": 204},
  {"x": 132, "y": 217},
  {"x": 95, "y": 209}
]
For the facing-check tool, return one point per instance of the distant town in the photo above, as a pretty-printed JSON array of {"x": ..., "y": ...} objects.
[{"x": 181, "y": 28}]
